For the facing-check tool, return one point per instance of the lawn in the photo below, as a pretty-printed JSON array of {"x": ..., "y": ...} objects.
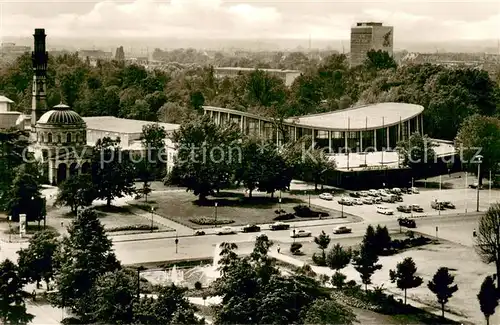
[{"x": 231, "y": 205}]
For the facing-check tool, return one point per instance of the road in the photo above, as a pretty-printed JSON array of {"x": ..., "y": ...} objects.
[{"x": 457, "y": 228}]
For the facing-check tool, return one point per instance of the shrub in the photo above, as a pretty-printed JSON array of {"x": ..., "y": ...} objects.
[
  {"x": 279, "y": 211},
  {"x": 197, "y": 285},
  {"x": 210, "y": 221},
  {"x": 338, "y": 280},
  {"x": 323, "y": 279},
  {"x": 319, "y": 259},
  {"x": 142, "y": 227},
  {"x": 303, "y": 211},
  {"x": 287, "y": 216},
  {"x": 306, "y": 270},
  {"x": 295, "y": 248}
]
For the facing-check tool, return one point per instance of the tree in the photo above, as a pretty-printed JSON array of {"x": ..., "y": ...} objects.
[
  {"x": 112, "y": 172},
  {"x": 25, "y": 189},
  {"x": 152, "y": 163},
  {"x": 480, "y": 135},
  {"x": 84, "y": 256},
  {"x": 324, "y": 311},
  {"x": 169, "y": 307},
  {"x": 442, "y": 286},
  {"x": 197, "y": 100},
  {"x": 487, "y": 243},
  {"x": 37, "y": 263},
  {"x": 365, "y": 262},
  {"x": 488, "y": 298},
  {"x": 370, "y": 240},
  {"x": 323, "y": 240},
  {"x": 207, "y": 155},
  {"x": 316, "y": 165},
  {"x": 417, "y": 153},
  {"x": 404, "y": 275},
  {"x": 113, "y": 298},
  {"x": 12, "y": 305},
  {"x": 338, "y": 257},
  {"x": 76, "y": 192},
  {"x": 382, "y": 239},
  {"x": 379, "y": 60}
]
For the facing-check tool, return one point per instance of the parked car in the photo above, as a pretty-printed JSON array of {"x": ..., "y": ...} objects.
[
  {"x": 279, "y": 226},
  {"x": 251, "y": 228},
  {"x": 408, "y": 223},
  {"x": 300, "y": 233},
  {"x": 355, "y": 194},
  {"x": 476, "y": 185},
  {"x": 449, "y": 205},
  {"x": 415, "y": 190},
  {"x": 404, "y": 208},
  {"x": 399, "y": 198},
  {"x": 199, "y": 233},
  {"x": 406, "y": 190},
  {"x": 377, "y": 199},
  {"x": 396, "y": 190},
  {"x": 357, "y": 201},
  {"x": 364, "y": 193},
  {"x": 342, "y": 230},
  {"x": 384, "y": 210},
  {"x": 437, "y": 205},
  {"x": 345, "y": 201},
  {"x": 416, "y": 208},
  {"x": 367, "y": 200},
  {"x": 373, "y": 192},
  {"x": 389, "y": 198},
  {"x": 326, "y": 196},
  {"x": 226, "y": 231}
]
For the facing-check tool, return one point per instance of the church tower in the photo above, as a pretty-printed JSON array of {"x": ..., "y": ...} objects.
[{"x": 39, "y": 57}]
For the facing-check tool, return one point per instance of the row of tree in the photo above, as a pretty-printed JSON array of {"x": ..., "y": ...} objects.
[{"x": 212, "y": 157}]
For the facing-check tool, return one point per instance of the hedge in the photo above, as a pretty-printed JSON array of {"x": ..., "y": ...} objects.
[
  {"x": 210, "y": 221},
  {"x": 131, "y": 228}
]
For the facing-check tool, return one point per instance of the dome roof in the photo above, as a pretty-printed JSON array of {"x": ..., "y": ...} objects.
[{"x": 61, "y": 115}]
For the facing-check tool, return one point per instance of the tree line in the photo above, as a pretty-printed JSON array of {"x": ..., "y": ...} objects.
[{"x": 175, "y": 93}]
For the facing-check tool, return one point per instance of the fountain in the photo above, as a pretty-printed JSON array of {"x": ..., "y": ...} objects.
[{"x": 176, "y": 277}]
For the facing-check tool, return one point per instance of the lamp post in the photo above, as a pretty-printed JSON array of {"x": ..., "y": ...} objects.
[
  {"x": 489, "y": 190},
  {"x": 139, "y": 269},
  {"x": 465, "y": 191},
  {"x": 439, "y": 201},
  {"x": 215, "y": 220},
  {"x": 176, "y": 243},
  {"x": 152, "y": 210},
  {"x": 10, "y": 229},
  {"x": 294, "y": 233},
  {"x": 279, "y": 206},
  {"x": 479, "y": 161}
]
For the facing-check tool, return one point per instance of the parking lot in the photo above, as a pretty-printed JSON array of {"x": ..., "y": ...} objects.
[{"x": 464, "y": 200}]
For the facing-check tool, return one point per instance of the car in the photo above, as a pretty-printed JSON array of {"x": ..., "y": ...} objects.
[
  {"x": 251, "y": 228},
  {"x": 355, "y": 194},
  {"x": 388, "y": 198},
  {"x": 408, "y": 223},
  {"x": 326, "y": 196},
  {"x": 383, "y": 192},
  {"x": 416, "y": 208},
  {"x": 345, "y": 201},
  {"x": 199, "y": 233},
  {"x": 226, "y": 231},
  {"x": 406, "y": 190},
  {"x": 300, "y": 233},
  {"x": 399, "y": 198},
  {"x": 404, "y": 208},
  {"x": 396, "y": 190},
  {"x": 415, "y": 190},
  {"x": 367, "y": 200},
  {"x": 475, "y": 186},
  {"x": 364, "y": 193},
  {"x": 384, "y": 210},
  {"x": 377, "y": 199},
  {"x": 437, "y": 205},
  {"x": 373, "y": 192},
  {"x": 449, "y": 205},
  {"x": 342, "y": 230},
  {"x": 279, "y": 226},
  {"x": 357, "y": 201}
]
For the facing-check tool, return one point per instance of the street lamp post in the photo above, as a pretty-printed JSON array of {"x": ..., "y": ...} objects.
[
  {"x": 10, "y": 229},
  {"x": 465, "y": 191},
  {"x": 439, "y": 201},
  {"x": 479, "y": 161},
  {"x": 294, "y": 233},
  {"x": 152, "y": 210},
  {"x": 279, "y": 206},
  {"x": 489, "y": 190},
  {"x": 139, "y": 269},
  {"x": 215, "y": 220},
  {"x": 176, "y": 243}
]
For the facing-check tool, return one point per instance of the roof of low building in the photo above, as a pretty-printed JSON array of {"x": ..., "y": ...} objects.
[
  {"x": 364, "y": 117},
  {"x": 122, "y": 125},
  {"x": 4, "y": 99}
]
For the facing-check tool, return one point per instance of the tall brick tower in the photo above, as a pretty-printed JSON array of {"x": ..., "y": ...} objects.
[{"x": 39, "y": 57}]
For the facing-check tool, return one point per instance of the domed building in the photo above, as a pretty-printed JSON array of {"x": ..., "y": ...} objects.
[{"x": 61, "y": 143}]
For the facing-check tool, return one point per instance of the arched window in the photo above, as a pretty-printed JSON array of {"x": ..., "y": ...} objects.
[
  {"x": 50, "y": 138},
  {"x": 68, "y": 137},
  {"x": 58, "y": 138}
]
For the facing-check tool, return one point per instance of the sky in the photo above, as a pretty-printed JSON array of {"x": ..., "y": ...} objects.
[{"x": 423, "y": 20}]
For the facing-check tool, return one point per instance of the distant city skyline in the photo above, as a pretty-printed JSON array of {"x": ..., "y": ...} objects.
[{"x": 416, "y": 21}]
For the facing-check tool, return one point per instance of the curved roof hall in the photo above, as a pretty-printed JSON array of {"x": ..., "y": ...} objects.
[{"x": 371, "y": 116}]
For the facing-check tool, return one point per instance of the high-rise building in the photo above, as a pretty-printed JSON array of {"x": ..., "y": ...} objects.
[{"x": 366, "y": 36}]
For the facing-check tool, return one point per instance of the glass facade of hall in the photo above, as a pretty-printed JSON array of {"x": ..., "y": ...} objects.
[{"x": 383, "y": 138}]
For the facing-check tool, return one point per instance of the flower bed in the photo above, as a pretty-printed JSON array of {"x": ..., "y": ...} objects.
[
  {"x": 142, "y": 227},
  {"x": 210, "y": 221}
]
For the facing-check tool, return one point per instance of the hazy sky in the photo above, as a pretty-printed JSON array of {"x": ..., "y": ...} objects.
[{"x": 328, "y": 19}]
